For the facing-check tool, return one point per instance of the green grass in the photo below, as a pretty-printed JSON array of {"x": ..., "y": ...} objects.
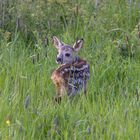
[{"x": 112, "y": 108}]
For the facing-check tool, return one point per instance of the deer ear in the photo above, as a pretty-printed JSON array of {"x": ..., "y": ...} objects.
[
  {"x": 78, "y": 45},
  {"x": 57, "y": 43}
]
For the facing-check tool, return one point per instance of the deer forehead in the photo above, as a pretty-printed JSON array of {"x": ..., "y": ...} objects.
[{"x": 66, "y": 49}]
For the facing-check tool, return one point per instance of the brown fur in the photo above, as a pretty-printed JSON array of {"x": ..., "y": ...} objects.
[{"x": 60, "y": 79}]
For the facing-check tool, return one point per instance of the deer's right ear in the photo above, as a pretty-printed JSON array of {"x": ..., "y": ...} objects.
[{"x": 57, "y": 43}]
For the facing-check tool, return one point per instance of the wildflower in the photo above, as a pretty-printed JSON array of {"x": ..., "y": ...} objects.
[
  {"x": 27, "y": 102},
  {"x": 8, "y": 122}
]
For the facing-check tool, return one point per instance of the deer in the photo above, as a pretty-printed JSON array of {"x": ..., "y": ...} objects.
[{"x": 73, "y": 72}]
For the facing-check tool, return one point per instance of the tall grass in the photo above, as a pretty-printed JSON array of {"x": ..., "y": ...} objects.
[{"x": 112, "y": 108}]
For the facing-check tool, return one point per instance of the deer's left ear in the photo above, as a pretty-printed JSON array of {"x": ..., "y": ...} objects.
[{"x": 78, "y": 45}]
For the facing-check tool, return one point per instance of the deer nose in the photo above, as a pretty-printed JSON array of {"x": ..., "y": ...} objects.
[{"x": 59, "y": 60}]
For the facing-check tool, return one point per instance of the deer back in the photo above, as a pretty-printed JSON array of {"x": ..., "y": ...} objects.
[{"x": 72, "y": 76}]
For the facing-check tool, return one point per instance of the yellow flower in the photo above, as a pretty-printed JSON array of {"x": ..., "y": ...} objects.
[{"x": 8, "y": 122}]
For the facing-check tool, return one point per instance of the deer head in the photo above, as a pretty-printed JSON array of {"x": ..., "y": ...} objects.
[{"x": 66, "y": 53}]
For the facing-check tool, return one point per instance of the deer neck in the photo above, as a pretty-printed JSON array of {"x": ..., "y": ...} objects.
[{"x": 76, "y": 59}]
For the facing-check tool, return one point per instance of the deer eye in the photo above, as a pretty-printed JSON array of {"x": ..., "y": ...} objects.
[{"x": 67, "y": 54}]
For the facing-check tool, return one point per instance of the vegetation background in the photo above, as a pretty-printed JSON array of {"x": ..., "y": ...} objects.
[{"x": 111, "y": 30}]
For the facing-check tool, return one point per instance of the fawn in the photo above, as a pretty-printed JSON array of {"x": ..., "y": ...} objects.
[{"x": 72, "y": 75}]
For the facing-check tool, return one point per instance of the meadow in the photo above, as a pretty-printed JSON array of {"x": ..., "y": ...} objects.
[{"x": 111, "y": 32}]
